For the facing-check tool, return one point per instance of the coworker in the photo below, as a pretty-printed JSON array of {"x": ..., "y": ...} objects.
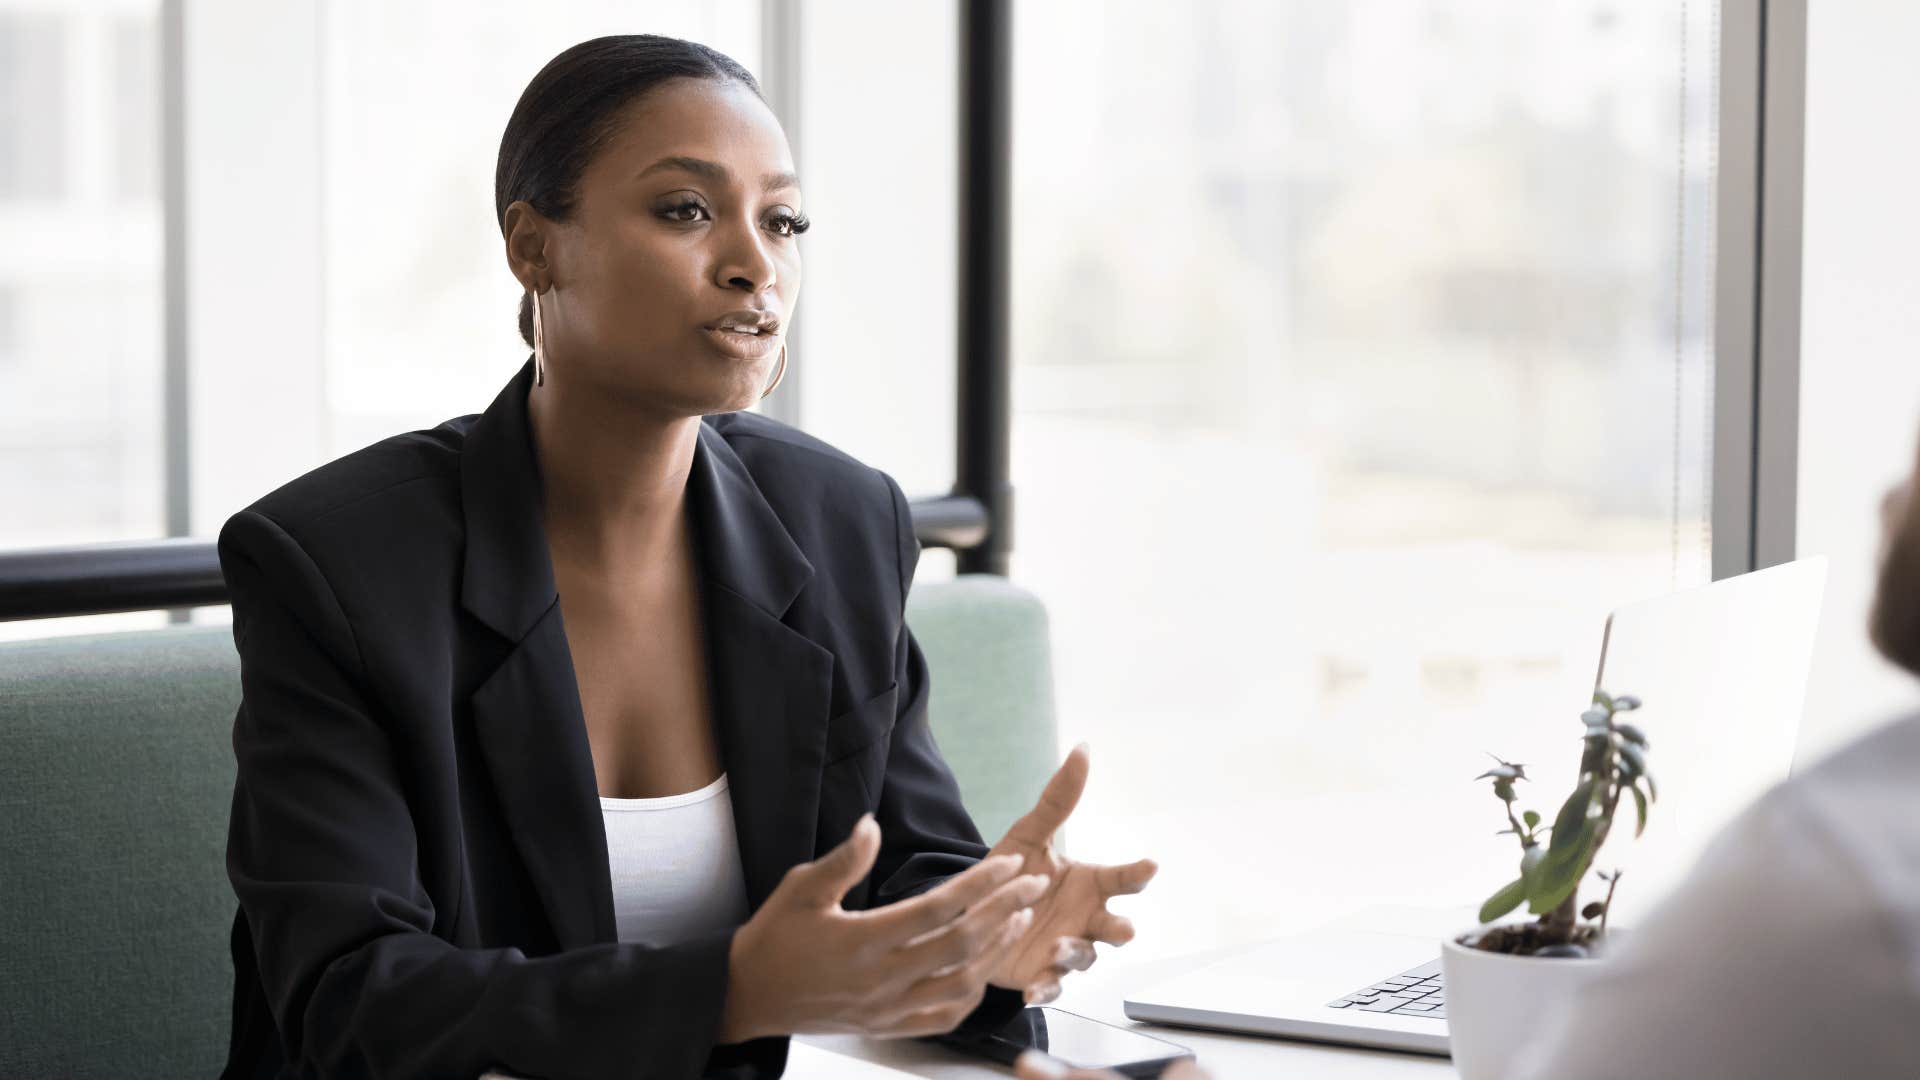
[{"x": 585, "y": 736}]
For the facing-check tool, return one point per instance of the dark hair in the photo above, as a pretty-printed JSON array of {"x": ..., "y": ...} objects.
[{"x": 570, "y": 109}]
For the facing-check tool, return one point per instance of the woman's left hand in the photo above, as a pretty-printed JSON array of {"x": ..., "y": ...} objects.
[{"x": 1072, "y": 914}]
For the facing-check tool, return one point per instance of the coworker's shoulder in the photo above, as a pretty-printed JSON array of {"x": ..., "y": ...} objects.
[
  {"x": 769, "y": 447},
  {"x": 1869, "y": 778},
  {"x": 1844, "y": 831},
  {"x": 397, "y": 471}
]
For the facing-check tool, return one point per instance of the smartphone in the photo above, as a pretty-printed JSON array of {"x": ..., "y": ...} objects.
[{"x": 1073, "y": 1040}]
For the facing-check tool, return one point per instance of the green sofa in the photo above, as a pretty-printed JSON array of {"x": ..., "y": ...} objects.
[{"x": 116, "y": 768}]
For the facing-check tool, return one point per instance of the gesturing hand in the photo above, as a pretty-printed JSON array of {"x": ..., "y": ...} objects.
[
  {"x": 805, "y": 964},
  {"x": 1072, "y": 914}
]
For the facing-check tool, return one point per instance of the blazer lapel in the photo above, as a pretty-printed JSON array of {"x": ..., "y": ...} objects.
[
  {"x": 769, "y": 684},
  {"x": 532, "y": 733}
]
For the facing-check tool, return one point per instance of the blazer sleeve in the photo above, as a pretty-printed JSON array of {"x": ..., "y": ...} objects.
[
  {"x": 926, "y": 834},
  {"x": 321, "y": 852}
]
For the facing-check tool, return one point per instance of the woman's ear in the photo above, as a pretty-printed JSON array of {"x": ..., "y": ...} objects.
[{"x": 526, "y": 236}]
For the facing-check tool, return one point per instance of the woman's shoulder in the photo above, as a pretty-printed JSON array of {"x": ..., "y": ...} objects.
[
  {"x": 790, "y": 464},
  {"x": 762, "y": 439},
  {"x": 398, "y": 473}
]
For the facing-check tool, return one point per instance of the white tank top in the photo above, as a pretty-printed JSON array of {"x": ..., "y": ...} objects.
[{"x": 675, "y": 864}]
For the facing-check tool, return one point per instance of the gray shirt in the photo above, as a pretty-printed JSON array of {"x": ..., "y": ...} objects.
[{"x": 1791, "y": 950}]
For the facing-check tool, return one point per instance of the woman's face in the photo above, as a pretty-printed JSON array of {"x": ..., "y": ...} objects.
[{"x": 684, "y": 216}]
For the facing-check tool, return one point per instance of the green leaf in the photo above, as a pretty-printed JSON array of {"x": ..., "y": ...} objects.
[
  {"x": 1503, "y": 901},
  {"x": 1574, "y": 838},
  {"x": 1573, "y": 815},
  {"x": 1531, "y": 817},
  {"x": 1640, "y": 808},
  {"x": 1530, "y": 861},
  {"x": 1632, "y": 734},
  {"x": 1603, "y": 699},
  {"x": 1558, "y": 876},
  {"x": 1625, "y": 703},
  {"x": 1504, "y": 789},
  {"x": 1594, "y": 910},
  {"x": 1653, "y": 793}
]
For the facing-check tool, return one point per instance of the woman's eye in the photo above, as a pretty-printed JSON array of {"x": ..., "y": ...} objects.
[
  {"x": 679, "y": 207},
  {"x": 784, "y": 224},
  {"x": 793, "y": 224}
]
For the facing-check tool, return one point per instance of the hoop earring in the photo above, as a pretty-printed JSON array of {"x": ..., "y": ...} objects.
[
  {"x": 778, "y": 374},
  {"x": 539, "y": 344}
]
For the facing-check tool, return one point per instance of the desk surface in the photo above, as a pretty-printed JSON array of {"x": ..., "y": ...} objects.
[{"x": 1097, "y": 993}]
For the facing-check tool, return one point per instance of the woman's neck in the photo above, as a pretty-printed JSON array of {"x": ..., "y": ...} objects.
[{"x": 615, "y": 481}]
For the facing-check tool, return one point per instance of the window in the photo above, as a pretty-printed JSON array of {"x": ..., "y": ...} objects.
[
  {"x": 80, "y": 289},
  {"x": 136, "y": 103},
  {"x": 34, "y": 136},
  {"x": 1361, "y": 367},
  {"x": 879, "y": 156}
]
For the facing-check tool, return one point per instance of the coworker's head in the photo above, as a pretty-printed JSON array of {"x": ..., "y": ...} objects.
[
  {"x": 1895, "y": 624},
  {"x": 635, "y": 259}
]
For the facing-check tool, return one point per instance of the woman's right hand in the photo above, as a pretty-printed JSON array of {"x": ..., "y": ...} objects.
[{"x": 803, "y": 964}]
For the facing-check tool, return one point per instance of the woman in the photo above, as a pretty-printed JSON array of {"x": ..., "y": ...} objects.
[{"x": 702, "y": 811}]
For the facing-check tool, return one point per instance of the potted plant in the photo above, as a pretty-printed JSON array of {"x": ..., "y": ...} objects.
[{"x": 1502, "y": 978}]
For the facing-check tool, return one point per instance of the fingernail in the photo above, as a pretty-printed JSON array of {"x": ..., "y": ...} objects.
[{"x": 1041, "y": 996}]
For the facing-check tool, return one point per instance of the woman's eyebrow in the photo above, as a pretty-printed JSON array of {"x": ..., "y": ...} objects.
[{"x": 713, "y": 170}]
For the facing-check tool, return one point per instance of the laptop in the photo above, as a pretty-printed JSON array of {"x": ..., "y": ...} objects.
[{"x": 1722, "y": 670}]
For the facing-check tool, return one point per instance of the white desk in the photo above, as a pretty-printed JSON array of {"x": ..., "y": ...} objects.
[{"x": 1097, "y": 993}]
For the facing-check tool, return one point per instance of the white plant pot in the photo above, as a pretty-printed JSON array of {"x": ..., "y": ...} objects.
[{"x": 1496, "y": 1002}]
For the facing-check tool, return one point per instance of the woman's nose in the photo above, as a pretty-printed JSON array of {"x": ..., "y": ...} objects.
[{"x": 746, "y": 260}]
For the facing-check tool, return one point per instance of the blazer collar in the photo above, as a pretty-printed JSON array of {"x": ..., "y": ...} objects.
[
  {"x": 770, "y": 685},
  {"x": 508, "y": 571}
]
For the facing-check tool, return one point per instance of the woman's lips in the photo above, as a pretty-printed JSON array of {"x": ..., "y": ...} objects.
[{"x": 744, "y": 346}]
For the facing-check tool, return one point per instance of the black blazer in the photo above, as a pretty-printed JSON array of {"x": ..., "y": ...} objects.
[{"x": 416, "y": 839}]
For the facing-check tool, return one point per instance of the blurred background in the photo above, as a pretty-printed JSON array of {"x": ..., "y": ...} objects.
[{"x": 1363, "y": 354}]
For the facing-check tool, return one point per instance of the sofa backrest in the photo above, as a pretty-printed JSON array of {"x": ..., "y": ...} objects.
[
  {"x": 991, "y": 707},
  {"x": 116, "y": 775}
]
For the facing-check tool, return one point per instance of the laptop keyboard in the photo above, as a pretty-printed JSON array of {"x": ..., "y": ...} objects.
[{"x": 1415, "y": 992}]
